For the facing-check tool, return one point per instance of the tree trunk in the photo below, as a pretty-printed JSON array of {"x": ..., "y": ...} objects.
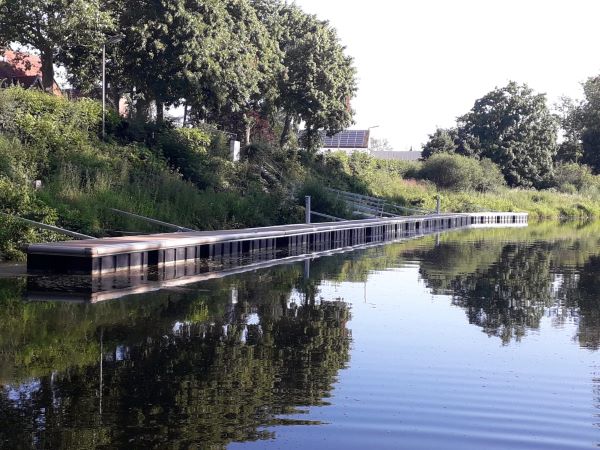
[
  {"x": 141, "y": 110},
  {"x": 47, "y": 58},
  {"x": 286, "y": 130},
  {"x": 248, "y": 130},
  {"x": 160, "y": 111},
  {"x": 115, "y": 99}
]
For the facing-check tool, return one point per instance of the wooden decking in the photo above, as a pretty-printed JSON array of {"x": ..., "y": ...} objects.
[{"x": 134, "y": 252}]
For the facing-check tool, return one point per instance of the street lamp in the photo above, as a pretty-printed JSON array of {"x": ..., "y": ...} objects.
[{"x": 110, "y": 40}]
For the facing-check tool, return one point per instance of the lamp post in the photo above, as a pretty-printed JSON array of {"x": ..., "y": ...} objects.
[{"x": 110, "y": 40}]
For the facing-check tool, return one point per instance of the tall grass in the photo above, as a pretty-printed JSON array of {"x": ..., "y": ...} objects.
[{"x": 404, "y": 183}]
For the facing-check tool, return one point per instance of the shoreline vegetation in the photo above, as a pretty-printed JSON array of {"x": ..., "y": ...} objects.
[
  {"x": 292, "y": 82},
  {"x": 183, "y": 176}
]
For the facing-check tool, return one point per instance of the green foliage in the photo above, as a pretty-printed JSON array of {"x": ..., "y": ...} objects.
[
  {"x": 318, "y": 79},
  {"x": 571, "y": 120},
  {"x": 572, "y": 177},
  {"x": 231, "y": 62},
  {"x": 395, "y": 180},
  {"x": 441, "y": 141},
  {"x": 54, "y": 27},
  {"x": 186, "y": 150},
  {"x": 48, "y": 125},
  {"x": 323, "y": 201},
  {"x": 513, "y": 127},
  {"x": 83, "y": 176},
  {"x": 18, "y": 198},
  {"x": 460, "y": 173},
  {"x": 580, "y": 122}
]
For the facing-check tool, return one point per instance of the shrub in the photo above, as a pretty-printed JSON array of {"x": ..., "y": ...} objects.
[
  {"x": 571, "y": 177},
  {"x": 49, "y": 121},
  {"x": 186, "y": 150},
  {"x": 460, "y": 173}
]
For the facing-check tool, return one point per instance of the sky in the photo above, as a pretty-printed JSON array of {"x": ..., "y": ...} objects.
[{"x": 422, "y": 63}]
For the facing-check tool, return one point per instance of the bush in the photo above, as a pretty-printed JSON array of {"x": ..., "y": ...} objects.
[
  {"x": 572, "y": 177},
  {"x": 185, "y": 149},
  {"x": 49, "y": 121},
  {"x": 460, "y": 173}
]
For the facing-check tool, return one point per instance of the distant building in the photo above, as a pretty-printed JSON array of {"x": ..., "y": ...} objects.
[
  {"x": 396, "y": 156},
  {"x": 23, "y": 69}
]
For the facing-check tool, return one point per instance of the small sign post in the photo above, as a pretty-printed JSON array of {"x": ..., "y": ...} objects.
[{"x": 234, "y": 149}]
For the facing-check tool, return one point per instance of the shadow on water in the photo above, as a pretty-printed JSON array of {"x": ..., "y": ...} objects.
[{"x": 221, "y": 360}]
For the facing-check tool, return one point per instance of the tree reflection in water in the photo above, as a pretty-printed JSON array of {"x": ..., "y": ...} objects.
[
  {"x": 506, "y": 287},
  {"x": 177, "y": 371}
]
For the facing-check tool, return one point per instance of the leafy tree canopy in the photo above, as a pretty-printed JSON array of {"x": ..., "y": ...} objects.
[
  {"x": 441, "y": 141},
  {"x": 513, "y": 127},
  {"x": 581, "y": 124},
  {"x": 318, "y": 80},
  {"x": 53, "y": 27},
  {"x": 516, "y": 130}
]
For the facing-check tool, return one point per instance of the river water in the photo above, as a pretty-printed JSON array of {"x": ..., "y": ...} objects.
[{"x": 477, "y": 339}]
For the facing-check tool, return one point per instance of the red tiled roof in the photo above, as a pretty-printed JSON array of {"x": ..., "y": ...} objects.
[
  {"x": 23, "y": 69},
  {"x": 19, "y": 64}
]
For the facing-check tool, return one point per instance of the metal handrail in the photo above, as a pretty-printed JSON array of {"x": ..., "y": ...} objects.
[
  {"x": 154, "y": 221},
  {"x": 44, "y": 226},
  {"x": 374, "y": 204}
]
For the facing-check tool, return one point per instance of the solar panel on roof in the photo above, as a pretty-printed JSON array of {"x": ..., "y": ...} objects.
[{"x": 347, "y": 139}]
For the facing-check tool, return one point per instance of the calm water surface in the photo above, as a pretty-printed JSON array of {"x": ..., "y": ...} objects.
[{"x": 477, "y": 339}]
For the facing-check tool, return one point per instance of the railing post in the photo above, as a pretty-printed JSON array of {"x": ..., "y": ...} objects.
[
  {"x": 307, "y": 208},
  {"x": 438, "y": 205}
]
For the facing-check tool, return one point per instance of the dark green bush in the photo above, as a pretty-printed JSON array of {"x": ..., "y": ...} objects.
[{"x": 460, "y": 173}]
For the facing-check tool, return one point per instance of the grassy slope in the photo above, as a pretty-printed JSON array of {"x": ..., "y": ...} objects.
[
  {"x": 56, "y": 141},
  {"x": 392, "y": 179}
]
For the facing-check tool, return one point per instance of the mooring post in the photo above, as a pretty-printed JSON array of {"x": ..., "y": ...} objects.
[
  {"x": 437, "y": 205},
  {"x": 307, "y": 208}
]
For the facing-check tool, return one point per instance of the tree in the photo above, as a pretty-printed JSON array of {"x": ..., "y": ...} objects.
[
  {"x": 379, "y": 145},
  {"x": 513, "y": 127},
  {"x": 245, "y": 70},
  {"x": 318, "y": 80},
  {"x": 52, "y": 27},
  {"x": 570, "y": 118},
  {"x": 441, "y": 141},
  {"x": 214, "y": 56},
  {"x": 167, "y": 46},
  {"x": 580, "y": 122}
]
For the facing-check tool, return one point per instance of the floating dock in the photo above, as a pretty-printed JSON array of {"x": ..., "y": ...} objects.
[{"x": 110, "y": 255}]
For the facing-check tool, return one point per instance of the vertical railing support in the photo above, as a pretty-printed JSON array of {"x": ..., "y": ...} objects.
[{"x": 307, "y": 209}]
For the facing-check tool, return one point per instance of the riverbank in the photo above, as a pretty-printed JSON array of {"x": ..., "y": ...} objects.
[{"x": 55, "y": 169}]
